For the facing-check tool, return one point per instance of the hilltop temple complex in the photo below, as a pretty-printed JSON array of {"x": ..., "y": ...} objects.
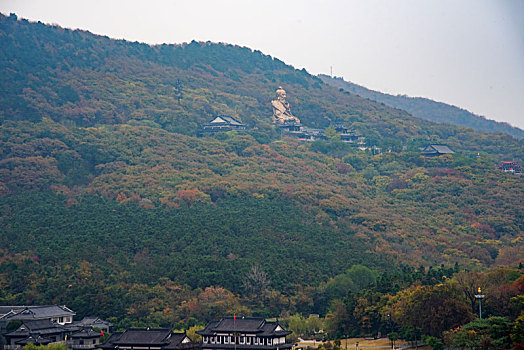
[{"x": 288, "y": 124}]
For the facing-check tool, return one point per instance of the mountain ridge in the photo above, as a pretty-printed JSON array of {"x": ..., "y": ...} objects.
[{"x": 428, "y": 109}]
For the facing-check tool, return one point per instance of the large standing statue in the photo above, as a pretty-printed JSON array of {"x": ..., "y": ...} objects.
[{"x": 281, "y": 109}]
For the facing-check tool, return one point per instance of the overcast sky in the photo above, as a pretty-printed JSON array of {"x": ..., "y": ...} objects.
[{"x": 469, "y": 53}]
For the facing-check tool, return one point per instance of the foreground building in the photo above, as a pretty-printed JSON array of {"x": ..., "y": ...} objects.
[
  {"x": 59, "y": 314},
  {"x": 149, "y": 339},
  {"x": 48, "y": 324},
  {"x": 246, "y": 333}
]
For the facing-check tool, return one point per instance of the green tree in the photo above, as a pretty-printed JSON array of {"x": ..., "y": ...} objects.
[
  {"x": 393, "y": 336},
  {"x": 491, "y": 333},
  {"x": 361, "y": 276},
  {"x": 435, "y": 343},
  {"x": 517, "y": 332},
  {"x": 433, "y": 309},
  {"x": 331, "y": 133}
]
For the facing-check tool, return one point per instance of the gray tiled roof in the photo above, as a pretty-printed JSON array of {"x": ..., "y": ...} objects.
[
  {"x": 437, "y": 149},
  {"x": 5, "y": 309},
  {"x": 239, "y": 325},
  {"x": 253, "y": 325},
  {"x": 110, "y": 342},
  {"x": 162, "y": 338},
  {"x": 176, "y": 340},
  {"x": 442, "y": 149},
  {"x": 34, "y": 312},
  {"x": 36, "y": 327},
  {"x": 86, "y": 333},
  {"x": 34, "y": 340},
  {"x": 93, "y": 322},
  {"x": 144, "y": 336},
  {"x": 229, "y": 120}
]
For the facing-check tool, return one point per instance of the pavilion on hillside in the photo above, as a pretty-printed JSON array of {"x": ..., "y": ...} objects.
[{"x": 436, "y": 150}]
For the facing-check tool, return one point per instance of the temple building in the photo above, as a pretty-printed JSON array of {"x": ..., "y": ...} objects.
[
  {"x": 59, "y": 314},
  {"x": 221, "y": 123},
  {"x": 38, "y": 332},
  {"x": 293, "y": 129},
  {"x": 346, "y": 135},
  {"x": 48, "y": 324},
  {"x": 149, "y": 339},
  {"x": 510, "y": 166},
  {"x": 243, "y": 334},
  {"x": 436, "y": 150}
]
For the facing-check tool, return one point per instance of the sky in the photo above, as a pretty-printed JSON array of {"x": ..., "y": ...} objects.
[{"x": 468, "y": 53}]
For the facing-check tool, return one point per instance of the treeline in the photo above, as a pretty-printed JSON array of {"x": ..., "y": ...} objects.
[{"x": 435, "y": 305}]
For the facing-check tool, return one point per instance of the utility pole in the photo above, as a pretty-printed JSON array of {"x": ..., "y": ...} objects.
[
  {"x": 480, "y": 296},
  {"x": 234, "y": 326}
]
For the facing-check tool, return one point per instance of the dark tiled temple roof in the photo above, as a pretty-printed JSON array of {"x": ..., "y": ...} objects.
[
  {"x": 34, "y": 340},
  {"x": 221, "y": 123},
  {"x": 110, "y": 342},
  {"x": 176, "y": 339},
  {"x": 89, "y": 321},
  {"x": 5, "y": 309},
  {"x": 36, "y": 327},
  {"x": 436, "y": 150},
  {"x": 239, "y": 325},
  {"x": 160, "y": 337},
  {"x": 86, "y": 333},
  {"x": 253, "y": 325},
  {"x": 226, "y": 119},
  {"x": 92, "y": 322},
  {"x": 34, "y": 312},
  {"x": 147, "y": 336}
]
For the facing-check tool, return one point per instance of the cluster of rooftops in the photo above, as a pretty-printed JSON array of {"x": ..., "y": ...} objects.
[
  {"x": 43, "y": 325},
  {"x": 224, "y": 123},
  {"x": 512, "y": 167},
  {"x": 48, "y": 324}
]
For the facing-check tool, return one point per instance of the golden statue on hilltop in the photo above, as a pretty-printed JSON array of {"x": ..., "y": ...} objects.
[{"x": 281, "y": 109}]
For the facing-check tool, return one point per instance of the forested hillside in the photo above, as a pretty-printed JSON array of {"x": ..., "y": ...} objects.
[
  {"x": 427, "y": 109},
  {"x": 111, "y": 205}
]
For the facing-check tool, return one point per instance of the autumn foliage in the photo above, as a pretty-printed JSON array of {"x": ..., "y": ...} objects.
[{"x": 111, "y": 205}]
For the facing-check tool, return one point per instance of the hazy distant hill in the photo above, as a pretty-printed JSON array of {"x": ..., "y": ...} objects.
[
  {"x": 110, "y": 203},
  {"x": 428, "y": 109}
]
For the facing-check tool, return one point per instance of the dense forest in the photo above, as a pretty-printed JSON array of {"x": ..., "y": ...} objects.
[
  {"x": 427, "y": 109},
  {"x": 111, "y": 205}
]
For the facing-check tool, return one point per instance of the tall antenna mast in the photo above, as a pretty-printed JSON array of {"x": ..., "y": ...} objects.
[
  {"x": 178, "y": 90},
  {"x": 331, "y": 71}
]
